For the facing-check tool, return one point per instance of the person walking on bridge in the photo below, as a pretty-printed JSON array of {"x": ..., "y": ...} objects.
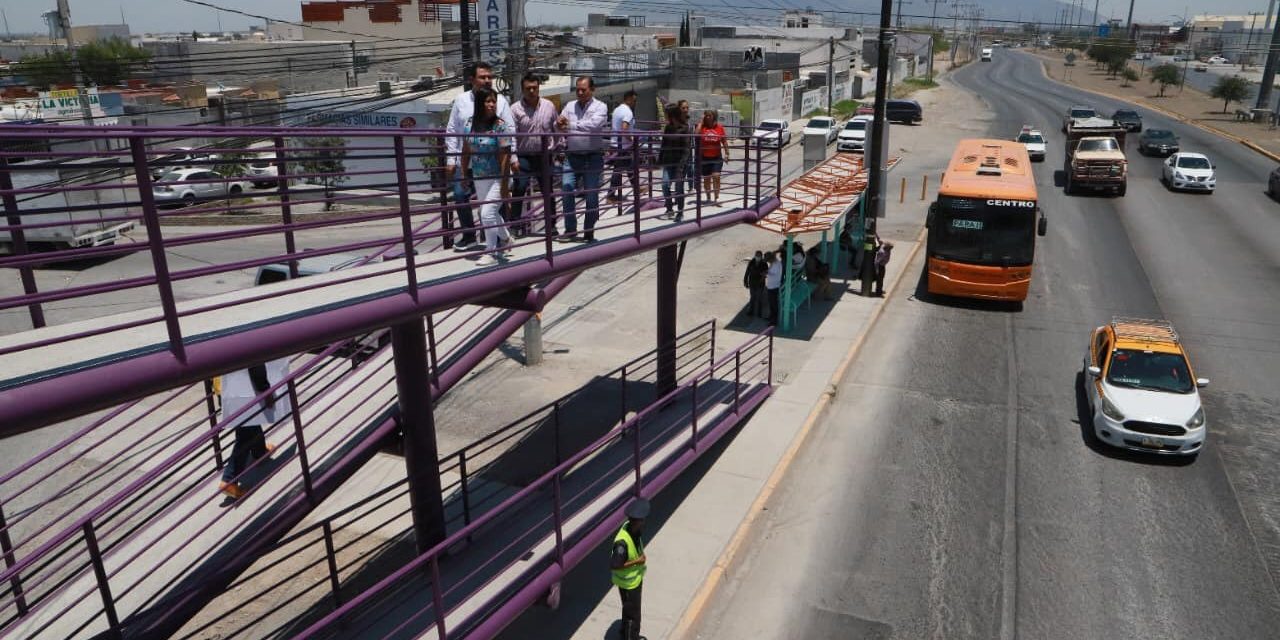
[
  {"x": 584, "y": 121},
  {"x": 487, "y": 159},
  {"x": 463, "y": 108},
  {"x": 627, "y": 563}
]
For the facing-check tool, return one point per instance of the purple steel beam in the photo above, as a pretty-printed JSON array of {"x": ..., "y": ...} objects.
[
  {"x": 12, "y": 216},
  {"x": 421, "y": 455},
  {"x": 520, "y": 299},
  {"x": 54, "y": 399}
]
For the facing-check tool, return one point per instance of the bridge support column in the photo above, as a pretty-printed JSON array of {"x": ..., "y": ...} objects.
[
  {"x": 668, "y": 279},
  {"x": 421, "y": 458},
  {"x": 533, "y": 340}
]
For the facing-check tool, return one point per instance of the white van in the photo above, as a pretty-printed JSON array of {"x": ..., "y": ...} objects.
[{"x": 986, "y": 54}]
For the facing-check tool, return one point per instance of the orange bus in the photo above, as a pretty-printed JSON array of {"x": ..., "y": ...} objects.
[{"x": 983, "y": 227}]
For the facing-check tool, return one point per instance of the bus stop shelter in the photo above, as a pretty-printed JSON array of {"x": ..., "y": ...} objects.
[{"x": 820, "y": 200}]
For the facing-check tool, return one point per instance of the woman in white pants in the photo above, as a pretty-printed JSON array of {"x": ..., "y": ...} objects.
[{"x": 487, "y": 157}]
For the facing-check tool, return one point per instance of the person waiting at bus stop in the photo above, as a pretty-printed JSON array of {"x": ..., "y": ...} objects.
[
  {"x": 882, "y": 263},
  {"x": 627, "y": 564}
]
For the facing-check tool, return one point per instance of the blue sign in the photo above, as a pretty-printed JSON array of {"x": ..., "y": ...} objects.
[{"x": 1104, "y": 30}]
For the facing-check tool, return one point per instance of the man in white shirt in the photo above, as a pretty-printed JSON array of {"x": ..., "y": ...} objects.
[
  {"x": 464, "y": 107},
  {"x": 624, "y": 121},
  {"x": 583, "y": 120},
  {"x": 773, "y": 282}
]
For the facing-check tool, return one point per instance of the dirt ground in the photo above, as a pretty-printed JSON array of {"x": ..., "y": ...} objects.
[{"x": 1188, "y": 103}]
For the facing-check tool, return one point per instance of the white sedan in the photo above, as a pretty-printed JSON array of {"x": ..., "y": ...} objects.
[
  {"x": 1189, "y": 171},
  {"x": 822, "y": 126},
  {"x": 772, "y": 133}
]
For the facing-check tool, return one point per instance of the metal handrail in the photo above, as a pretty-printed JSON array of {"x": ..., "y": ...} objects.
[{"x": 429, "y": 558}]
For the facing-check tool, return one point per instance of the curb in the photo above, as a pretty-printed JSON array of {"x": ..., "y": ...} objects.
[
  {"x": 1165, "y": 112},
  {"x": 698, "y": 603}
]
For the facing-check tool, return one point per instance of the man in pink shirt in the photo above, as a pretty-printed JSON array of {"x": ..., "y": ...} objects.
[{"x": 533, "y": 115}]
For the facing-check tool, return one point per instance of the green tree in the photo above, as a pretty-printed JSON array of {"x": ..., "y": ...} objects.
[
  {"x": 1166, "y": 75},
  {"x": 324, "y": 156},
  {"x": 1129, "y": 76},
  {"x": 45, "y": 71},
  {"x": 108, "y": 62},
  {"x": 1230, "y": 89}
]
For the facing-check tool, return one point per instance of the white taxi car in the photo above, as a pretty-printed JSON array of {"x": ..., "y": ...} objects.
[{"x": 1141, "y": 391}]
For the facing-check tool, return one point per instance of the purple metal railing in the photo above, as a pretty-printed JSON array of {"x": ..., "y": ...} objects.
[
  {"x": 500, "y": 450},
  {"x": 427, "y": 225},
  {"x": 111, "y": 515},
  {"x": 130, "y": 180},
  {"x": 737, "y": 380}
]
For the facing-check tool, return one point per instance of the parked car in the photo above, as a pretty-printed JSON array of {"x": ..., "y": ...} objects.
[
  {"x": 1200, "y": 67},
  {"x": 1218, "y": 60},
  {"x": 1157, "y": 141},
  {"x": 187, "y": 186},
  {"x": 1129, "y": 119},
  {"x": 772, "y": 133},
  {"x": 1190, "y": 171},
  {"x": 853, "y": 137},
  {"x": 905, "y": 111},
  {"x": 821, "y": 126}
]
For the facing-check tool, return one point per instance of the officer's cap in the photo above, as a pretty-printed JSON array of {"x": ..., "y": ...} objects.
[{"x": 638, "y": 509}]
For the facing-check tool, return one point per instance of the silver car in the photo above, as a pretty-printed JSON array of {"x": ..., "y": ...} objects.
[{"x": 187, "y": 186}]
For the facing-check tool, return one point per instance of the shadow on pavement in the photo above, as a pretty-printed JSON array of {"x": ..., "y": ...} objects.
[{"x": 923, "y": 295}]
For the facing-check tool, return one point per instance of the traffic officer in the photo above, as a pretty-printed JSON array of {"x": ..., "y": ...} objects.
[{"x": 627, "y": 563}]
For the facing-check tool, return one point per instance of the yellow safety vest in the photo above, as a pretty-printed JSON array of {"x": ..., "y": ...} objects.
[{"x": 628, "y": 577}]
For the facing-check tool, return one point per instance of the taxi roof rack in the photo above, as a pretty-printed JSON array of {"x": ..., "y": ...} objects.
[{"x": 1144, "y": 329}]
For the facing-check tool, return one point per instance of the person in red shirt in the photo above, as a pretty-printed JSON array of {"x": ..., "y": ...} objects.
[{"x": 715, "y": 152}]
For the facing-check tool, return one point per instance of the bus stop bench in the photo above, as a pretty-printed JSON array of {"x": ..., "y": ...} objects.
[{"x": 800, "y": 291}]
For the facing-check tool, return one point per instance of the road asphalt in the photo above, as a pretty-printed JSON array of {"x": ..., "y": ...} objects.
[{"x": 951, "y": 492}]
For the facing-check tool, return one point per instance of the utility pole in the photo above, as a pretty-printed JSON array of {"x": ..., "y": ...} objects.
[
  {"x": 900, "y": 3},
  {"x": 933, "y": 19},
  {"x": 955, "y": 33},
  {"x": 1094, "y": 24},
  {"x": 355, "y": 66},
  {"x": 831, "y": 79},
  {"x": 1271, "y": 8},
  {"x": 879, "y": 130},
  {"x": 1269, "y": 72},
  {"x": 1128, "y": 24},
  {"x": 1248, "y": 47},
  {"x": 464, "y": 32},
  {"x": 86, "y": 111}
]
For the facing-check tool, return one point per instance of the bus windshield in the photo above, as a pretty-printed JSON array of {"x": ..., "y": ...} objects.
[{"x": 984, "y": 232}]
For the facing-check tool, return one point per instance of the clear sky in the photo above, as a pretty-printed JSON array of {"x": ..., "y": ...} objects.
[{"x": 174, "y": 15}]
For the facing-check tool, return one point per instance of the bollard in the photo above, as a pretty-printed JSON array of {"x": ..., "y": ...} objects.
[
  {"x": 924, "y": 187},
  {"x": 902, "y": 197}
]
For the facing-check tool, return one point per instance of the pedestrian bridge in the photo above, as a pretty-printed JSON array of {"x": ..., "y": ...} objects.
[{"x": 113, "y": 528}]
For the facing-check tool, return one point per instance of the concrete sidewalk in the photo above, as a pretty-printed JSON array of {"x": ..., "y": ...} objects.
[{"x": 694, "y": 532}]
